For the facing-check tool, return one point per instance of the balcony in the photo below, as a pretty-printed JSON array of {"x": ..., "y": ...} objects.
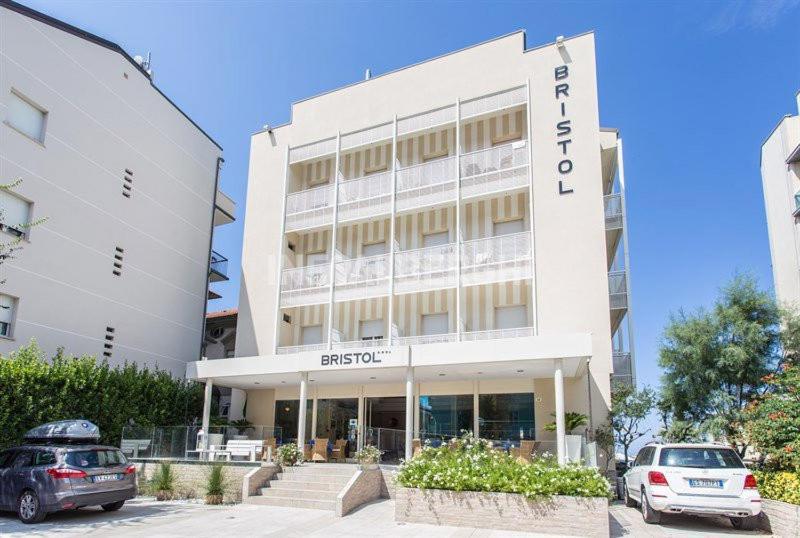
[
  {"x": 422, "y": 269},
  {"x": 493, "y": 170},
  {"x": 288, "y": 350},
  {"x": 361, "y": 278},
  {"x": 309, "y": 208},
  {"x": 350, "y": 344},
  {"x": 796, "y": 212},
  {"x": 496, "y": 334},
  {"x": 617, "y": 297},
  {"x": 496, "y": 259},
  {"x": 426, "y": 120},
  {"x": 365, "y": 197},
  {"x": 623, "y": 370},
  {"x": 224, "y": 209},
  {"x": 427, "y": 184},
  {"x": 495, "y": 102},
  {"x": 425, "y": 339},
  {"x": 218, "y": 268},
  {"x": 305, "y": 285},
  {"x": 312, "y": 151},
  {"x": 613, "y": 211}
]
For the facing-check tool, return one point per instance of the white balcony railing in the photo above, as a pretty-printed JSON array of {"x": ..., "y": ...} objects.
[
  {"x": 305, "y": 285},
  {"x": 310, "y": 151},
  {"x": 286, "y": 350},
  {"x": 497, "y": 169},
  {"x": 426, "y": 120},
  {"x": 618, "y": 290},
  {"x": 309, "y": 208},
  {"x": 495, "y": 259},
  {"x": 425, "y": 268},
  {"x": 496, "y": 334},
  {"x": 426, "y": 184},
  {"x": 493, "y": 102},
  {"x": 366, "y": 136},
  {"x": 365, "y": 197},
  {"x": 361, "y": 343},
  {"x": 426, "y": 339},
  {"x": 613, "y": 211},
  {"x": 360, "y": 278}
]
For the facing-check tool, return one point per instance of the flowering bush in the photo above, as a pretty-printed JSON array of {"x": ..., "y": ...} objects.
[
  {"x": 469, "y": 464},
  {"x": 288, "y": 454},
  {"x": 780, "y": 486},
  {"x": 774, "y": 420},
  {"x": 368, "y": 455}
]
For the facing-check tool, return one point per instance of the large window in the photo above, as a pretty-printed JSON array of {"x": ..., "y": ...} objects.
[
  {"x": 445, "y": 415},
  {"x": 371, "y": 330},
  {"x": 7, "y": 306},
  {"x": 510, "y": 317},
  {"x": 286, "y": 417},
  {"x": 25, "y": 117},
  {"x": 508, "y": 227},
  {"x": 15, "y": 214},
  {"x": 434, "y": 324},
  {"x": 333, "y": 417},
  {"x": 506, "y": 417},
  {"x": 311, "y": 335}
]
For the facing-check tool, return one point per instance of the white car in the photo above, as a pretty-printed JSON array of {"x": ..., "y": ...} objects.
[{"x": 702, "y": 479}]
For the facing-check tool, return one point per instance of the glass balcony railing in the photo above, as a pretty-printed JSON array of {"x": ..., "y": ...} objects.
[
  {"x": 613, "y": 211},
  {"x": 425, "y": 268},
  {"x": 618, "y": 290},
  {"x": 426, "y": 184},
  {"x": 796, "y": 211},
  {"x": 305, "y": 285},
  {"x": 365, "y": 197},
  {"x": 218, "y": 267},
  {"x": 309, "y": 208},
  {"x": 492, "y": 259},
  {"x": 496, "y": 169}
]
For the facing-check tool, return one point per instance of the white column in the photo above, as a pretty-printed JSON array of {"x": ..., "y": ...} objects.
[
  {"x": 629, "y": 313},
  {"x": 409, "y": 410},
  {"x": 207, "y": 411},
  {"x": 392, "y": 216},
  {"x": 362, "y": 430},
  {"x": 301, "y": 419},
  {"x": 236, "y": 409},
  {"x": 284, "y": 193},
  {"x": 476, "y": 423},
  {"x": 558, "y": 377},
  {"x": 314, "y": 416},
  {"x": 416, "y": 411},
  {"x": 458, "y": 219},
  {"x": 534, "y": 296},
  {"x": 333, "y": 237}
]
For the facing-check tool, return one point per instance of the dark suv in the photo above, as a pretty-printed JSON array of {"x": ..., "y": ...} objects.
[{"x": 62, "y": 472}]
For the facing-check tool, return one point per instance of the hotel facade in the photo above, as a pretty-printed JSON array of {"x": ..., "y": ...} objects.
[
  {"x": 125, "y": 185},
  {"x": 436, "y": 249},
  {"x": 780, "y": 176}
]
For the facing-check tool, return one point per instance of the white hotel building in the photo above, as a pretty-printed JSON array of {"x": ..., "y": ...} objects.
[
  {"x": 438, "y": 248},
  {"x": 128, "y": 185}
]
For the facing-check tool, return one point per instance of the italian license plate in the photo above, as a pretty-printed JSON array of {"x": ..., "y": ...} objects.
[
  {"x": 705, "y": 483},
  {"x": 105, "y": 477}
]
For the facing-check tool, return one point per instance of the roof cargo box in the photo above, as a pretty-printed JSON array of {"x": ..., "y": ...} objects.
[{"x": 64, "y": 431}]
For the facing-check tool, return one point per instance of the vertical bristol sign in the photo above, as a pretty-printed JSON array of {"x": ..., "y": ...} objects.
[{"x": 563, "y": 130}]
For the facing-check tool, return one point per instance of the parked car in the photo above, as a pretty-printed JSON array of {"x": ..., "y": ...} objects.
[
  {"x": 700, "y": 479},
  {"x": 60, "y": 466}
]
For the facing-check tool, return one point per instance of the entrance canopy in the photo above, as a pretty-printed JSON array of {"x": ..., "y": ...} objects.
[{"x": 529, "y": 357}]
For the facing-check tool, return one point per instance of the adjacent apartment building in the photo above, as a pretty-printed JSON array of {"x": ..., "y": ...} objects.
[
  {"x": 436, "y": 249},
  {"x": 127, "y": 183},
  {"x": 780, "y": 175}
]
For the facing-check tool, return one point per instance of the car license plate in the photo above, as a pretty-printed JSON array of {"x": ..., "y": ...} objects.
[
  {"x": 105, "y": 477},
  {"x": 705, "y": 483}
]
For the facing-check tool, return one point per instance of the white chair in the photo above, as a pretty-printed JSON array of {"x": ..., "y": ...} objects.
[
  {"x": 133, "y": 446},
  {"x": 244, "y": 448}
]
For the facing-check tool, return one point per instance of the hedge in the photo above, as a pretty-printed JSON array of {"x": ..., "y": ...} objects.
[
  {"x": 779, "y": 485},
  {"x": 34, "y": 390}
]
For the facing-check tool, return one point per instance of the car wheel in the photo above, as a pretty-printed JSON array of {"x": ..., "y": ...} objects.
[
  {"x": 112, "y": 507},
  {"x": 29, "y": 509},
  {"x": 745, "y": 523},
  {"x": 630, "y": 502},
  {"x": 649, "y": 515}
]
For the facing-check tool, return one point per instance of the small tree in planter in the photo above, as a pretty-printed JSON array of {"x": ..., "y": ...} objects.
[
  {"x": 368, "y": 457},
  {"x": 163, "y": 482},
  {"x": 289, "y": 455},
  {"x": 215, "y": 486}
]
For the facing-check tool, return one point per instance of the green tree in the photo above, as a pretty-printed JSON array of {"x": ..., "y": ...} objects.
[
  {"x": 629, "y": 411},
  {"x": 773, "y": 424},
  {"x": 714, "y": 362}
]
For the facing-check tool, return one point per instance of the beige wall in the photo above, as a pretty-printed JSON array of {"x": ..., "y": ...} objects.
[{"x": 103, "y": 117}]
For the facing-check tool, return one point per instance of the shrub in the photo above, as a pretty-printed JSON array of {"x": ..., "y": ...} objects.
[
  {"x": 215, "y": 485},
  {"x": 468, "y": 464},
  {"x": 36, "y": 390},
  {"x": 288, "y": 454},
  {"x": 163, "y": 481},
  {"x": 368, "y": 455},
  {"x": 779, "y": 486},
  {"x": 773, "y": 420}
]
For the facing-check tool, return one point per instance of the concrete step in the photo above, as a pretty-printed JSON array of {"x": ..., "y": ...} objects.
[
  {"x": 321, "y": 469},
  {"x": 291, "y": 485},
  {"x": 332, "y": 479},
  {"x": 292, "y": 502},
  {"x": 308, "y": 494}
]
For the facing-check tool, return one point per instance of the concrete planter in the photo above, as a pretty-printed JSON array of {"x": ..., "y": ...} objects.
[
  {"x": 572, "y": 516},
  {"x": 780, "y": 518}
]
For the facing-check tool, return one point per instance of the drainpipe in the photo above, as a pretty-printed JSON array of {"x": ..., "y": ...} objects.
[{"x": 220, "y": 160}]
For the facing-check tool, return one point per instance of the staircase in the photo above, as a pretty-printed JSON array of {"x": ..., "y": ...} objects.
[{"x": 311, "y": 485}]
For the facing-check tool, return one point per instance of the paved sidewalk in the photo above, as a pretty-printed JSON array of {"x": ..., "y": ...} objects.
[{"x": 628, "y": 522}]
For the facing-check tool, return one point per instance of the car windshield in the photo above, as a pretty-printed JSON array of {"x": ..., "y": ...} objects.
[
  {"x": 89, "y": 459},
  {"x": 703, "y": 458}
]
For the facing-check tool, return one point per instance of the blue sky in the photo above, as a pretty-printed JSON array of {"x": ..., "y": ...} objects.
[{"x": 694, "y": 87}]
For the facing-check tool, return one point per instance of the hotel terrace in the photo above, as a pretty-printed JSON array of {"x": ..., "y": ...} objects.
[{"x": 436, "y": 249}]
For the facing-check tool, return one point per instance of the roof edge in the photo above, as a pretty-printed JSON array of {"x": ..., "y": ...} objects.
[{"x": 97, "y": 40}]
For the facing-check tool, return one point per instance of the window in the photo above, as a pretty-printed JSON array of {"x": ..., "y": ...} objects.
[
  {"x": 311, "y": 335},
  {"x": 510, "y": 317},
  {"x": 374, "y": 249},
  {"x": 25, "y": 117},
  {"x": 371, "y": 330},
  {"x": 7, "y": 310},
  {"x": 434, "y": 323},
  {"x": 286, "y": 415},
  {"x": 5, "y": 458},
  {"x": 508, "y": 227},
  {"x": 445, "y": 415},
  {"x": 506, "y": 416},
  {"x": 435, "y": 239},
  {"x": 92, "y": 459},
  {"x": 44, "y": 457},
  {"x": 21, "y": 460},
  {"x": 701, "y": 458},
  {"x": 15, "y": 213},
  {"x": 316, "y": 258}
]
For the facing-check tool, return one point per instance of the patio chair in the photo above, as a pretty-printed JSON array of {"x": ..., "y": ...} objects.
[
  {"x": 320, "y": 450},
  {"x": 269, "y": 443},
  {"x": 337, "y": 454},
  {"x": 525, "y": 451},
  {"x": 308, "y": 452},
  {"x": 416, "y": 447}
]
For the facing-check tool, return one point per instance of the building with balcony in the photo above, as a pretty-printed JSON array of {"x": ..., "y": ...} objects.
[
  {"x": 780, "y": 177},
  {"x": 436, "y": 249},
  {"x": 128, "y": 185}
]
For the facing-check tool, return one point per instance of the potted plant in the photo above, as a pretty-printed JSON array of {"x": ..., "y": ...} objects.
[
  {"x": 215, "y": 484},
  {"x": 572, "y": 421},
  {"x": 289, "y": 455},
  {"x": 241, "y": 426},
  {"x": 368, "y": 457},
  {"x": 163, "y": 482}
]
